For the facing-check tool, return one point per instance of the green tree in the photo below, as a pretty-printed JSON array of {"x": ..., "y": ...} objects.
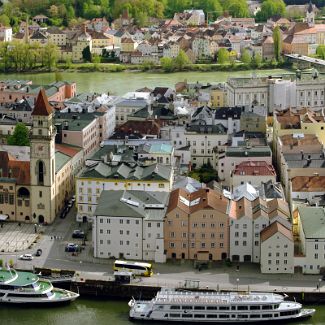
[
  {"x": 20, "y": 136},
  {"x": 177, "y": 6},
  {"x": 5, "y": 55},
  {"x": 237, "y": 8},
  {"x": 271, "y": 8},
  {"x": 96, "y": 60},
  {"x": 167, "y": 64},
  {"x": 181, "y": 60},
  {"x": 223, "y": 56},
  {"x": 246, "y": 57},
  {"x": 257, "y": 60},
  {"x": 277, "y": 39},
  {"x": 51, "y": 55},
  {"x": 86, "y": 54},
  {"x": 320, "y": 51},
  {"x": 4, "y": 20},
  {"x": 213, "y": 7}
]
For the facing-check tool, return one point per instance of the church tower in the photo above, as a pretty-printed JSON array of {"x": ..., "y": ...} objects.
[
  {"x": 42, "y": 161},
  {"x": 310, "y": 15}
]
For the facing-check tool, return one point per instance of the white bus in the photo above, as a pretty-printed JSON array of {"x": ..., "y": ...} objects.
[{"x": 137, "y": 268}]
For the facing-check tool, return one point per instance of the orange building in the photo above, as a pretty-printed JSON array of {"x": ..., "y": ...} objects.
[{"x": 196, "y": 225}]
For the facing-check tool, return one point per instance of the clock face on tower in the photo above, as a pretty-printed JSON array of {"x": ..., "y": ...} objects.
[{"x": 40, "y": 150}]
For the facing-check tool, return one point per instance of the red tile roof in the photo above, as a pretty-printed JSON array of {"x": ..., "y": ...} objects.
[
  {"x": 254, "y": 168},
  {"x": 42, "y": 106},
  {"x": 15, "y": 169},
  {"x": 67, "y": 150}
]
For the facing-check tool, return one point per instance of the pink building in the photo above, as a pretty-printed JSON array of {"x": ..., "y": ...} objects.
[
  {"x": 197, "y": 225},
  {"x": 14, "y": 91}
]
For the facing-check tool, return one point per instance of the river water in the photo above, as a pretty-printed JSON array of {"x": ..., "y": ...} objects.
[
  {"x": 119, "y": 83},
  {"x": 93, "y": 312}
]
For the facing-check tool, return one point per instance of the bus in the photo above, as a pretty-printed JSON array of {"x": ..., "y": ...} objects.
[{"x": 137, "y": 268}]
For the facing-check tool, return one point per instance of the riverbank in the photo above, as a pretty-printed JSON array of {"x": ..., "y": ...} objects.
[{"x": 152, "y": 68}]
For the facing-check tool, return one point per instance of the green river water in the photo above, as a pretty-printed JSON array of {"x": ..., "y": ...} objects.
[
  {"x": 122, "y": 82},
  {"x": 93, "y": 312}
]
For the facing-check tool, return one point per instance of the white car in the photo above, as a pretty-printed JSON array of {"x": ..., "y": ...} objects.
[{"x": 26, "y": 257}]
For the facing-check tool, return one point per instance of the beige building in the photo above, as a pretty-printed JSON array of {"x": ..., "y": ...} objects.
[
  {"x": 252, "y": 172},
  {"x": 196, "y": 225},
  {"x": 277, "y": 249},
  {"x": 37, "y": 180}
]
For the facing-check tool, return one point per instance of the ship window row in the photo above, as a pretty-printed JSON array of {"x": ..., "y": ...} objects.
[
  {"x": 239, "y": 307},
  {"x": 225, "y": 316}
]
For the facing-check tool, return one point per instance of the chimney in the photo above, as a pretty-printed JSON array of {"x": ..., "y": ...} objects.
[{"x": 84, "y": 28}]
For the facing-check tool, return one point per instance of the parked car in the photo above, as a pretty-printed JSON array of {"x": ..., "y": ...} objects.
[
  {"x": 71, "y": 247},
  {"x": 73, "y": 199},
  {"x": 78, "y": 234},
  {"x": 69, "y": 205},
  {"x": 63, "y": 214},
  {"x": 26, "y": 257},
  {"x": 38, "y": 252}
]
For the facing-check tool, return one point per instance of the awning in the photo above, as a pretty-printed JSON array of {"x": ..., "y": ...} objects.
[{"x": 3, "y": 217}]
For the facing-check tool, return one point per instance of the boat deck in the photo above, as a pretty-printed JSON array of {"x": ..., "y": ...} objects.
[{"x": 179, "y": 297}]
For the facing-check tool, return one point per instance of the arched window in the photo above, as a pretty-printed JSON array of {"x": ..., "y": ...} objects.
[{"x": 41, "y": 171}]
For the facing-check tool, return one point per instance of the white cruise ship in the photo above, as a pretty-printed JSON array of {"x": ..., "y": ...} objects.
[
  {"x": 18, "y": 287},
  {"x": 216, "y": 307}
]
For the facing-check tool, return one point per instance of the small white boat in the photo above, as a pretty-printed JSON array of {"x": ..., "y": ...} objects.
[
  {"x": 17, "y": 287},
  {"x": 216, "y": 307}
]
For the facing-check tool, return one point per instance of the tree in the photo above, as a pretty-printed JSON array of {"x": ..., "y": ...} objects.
[
  {"x": 223, "y": 56},
  {"x": 86, "y": 54},
  {"x": 96, "y": 60},
  {"x": 277, "y": 43},
  {"x": 320, "y": 51},
  {"x": 4, "y": 20},
  {"x": 51, "y": 55},
  {"x": 20, "y": 137},
  {"x": 213, "y": 7},
  {"x": 246, "y": 57},
  {"x": 167, "y": 64},
  {"x": 257, "y": 60},
  {"x": 181, "y": 60},
  {"x": 237, "y": 8},
  {"x": 271, "y": 8}
]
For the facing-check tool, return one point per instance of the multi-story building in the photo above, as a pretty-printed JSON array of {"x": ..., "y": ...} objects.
[
  {"x": 56, "y": 36},
  {"x": 310, "y": 229},
  {"x": 81, "y": 130},
  {"x": 277, "y": 93},
  {"x": 13, "y": 91},
  {"x": 247, "y": 220},
  {"x": 38, "y": 177},
  {"x": 162, "y": 153},
  {"x": 252, "y": 172},
  {"x": 196, "y": 225},
  {"x": 277, "y": 249},
  {"x": 130, "y": 224},
  {"x": 232, "y": 156},
  {"x": 101, "y": 175}
]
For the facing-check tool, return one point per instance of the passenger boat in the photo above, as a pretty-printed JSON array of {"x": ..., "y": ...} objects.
[
  {"x": 216, "y": 307},
  {"x": 17, "y": 287}
]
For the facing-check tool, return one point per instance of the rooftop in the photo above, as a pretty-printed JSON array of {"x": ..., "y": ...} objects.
[
  {"x": 274, "y": 228},
  {"x": 313, "y": 221},
  {"x": 133, "y": 204},
  {"x": 254, "y": 168},
  {"x": 248, "y": 151}
]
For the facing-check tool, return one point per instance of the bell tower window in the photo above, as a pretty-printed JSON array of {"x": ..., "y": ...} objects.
[{"x": 40, "y": 173}]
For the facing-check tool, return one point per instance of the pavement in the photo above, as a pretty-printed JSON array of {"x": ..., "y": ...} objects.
[
  {"x": 17, "y": 236},
  {"x": 53, "y": 238}
]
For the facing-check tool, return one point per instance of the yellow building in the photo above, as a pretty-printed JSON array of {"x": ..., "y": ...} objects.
[
  {"x": 36, "y": 181},
  {"x": 218, "y": 97}
]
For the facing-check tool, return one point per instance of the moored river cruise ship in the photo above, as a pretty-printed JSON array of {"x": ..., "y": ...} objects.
[
  {"x": 18, "y": 287},
  {"x": 216, "y": 307}
]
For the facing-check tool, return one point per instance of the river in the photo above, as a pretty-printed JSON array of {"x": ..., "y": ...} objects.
[
  {"x": 118, "y": 83},
  {"x": 93, "y": 312}
]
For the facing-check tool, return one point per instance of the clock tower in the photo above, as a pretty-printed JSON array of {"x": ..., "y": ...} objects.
[{"x": 42, "y": 161}]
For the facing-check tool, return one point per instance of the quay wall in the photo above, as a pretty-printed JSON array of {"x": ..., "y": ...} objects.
[{"x": 116, "y": 290}]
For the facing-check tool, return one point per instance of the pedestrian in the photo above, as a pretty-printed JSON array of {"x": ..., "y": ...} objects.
[{"x": 51, "y": 238}]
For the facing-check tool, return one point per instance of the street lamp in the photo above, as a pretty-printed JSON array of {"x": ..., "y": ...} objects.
[{"x": 237, "y": 280}]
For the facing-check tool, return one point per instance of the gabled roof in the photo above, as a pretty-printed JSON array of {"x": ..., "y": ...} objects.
[
  {"x": 276, "y": 227},
  {"x": 42, "y": 106}
]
